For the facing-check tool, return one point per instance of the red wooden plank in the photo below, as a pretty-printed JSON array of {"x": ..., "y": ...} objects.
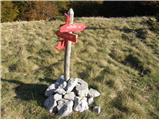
[
  {"x": 67, "y": 36},
  {"x": 67, "y": 18},
  {"x": 76, "y": 27},
  {"x": 60, "y": 44}
]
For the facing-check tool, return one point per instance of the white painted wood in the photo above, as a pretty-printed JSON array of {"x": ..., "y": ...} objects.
[{"x": 67, "y": 54}]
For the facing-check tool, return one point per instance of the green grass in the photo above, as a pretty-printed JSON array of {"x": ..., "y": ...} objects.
[{"x": 117, "y": 56}]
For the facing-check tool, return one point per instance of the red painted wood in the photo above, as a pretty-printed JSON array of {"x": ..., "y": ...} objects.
[
  {"x": 67, "y": 36},
  {"x": 60, "y": 44},
  {"x": 76, "y": 27},
  {"x": 67, "y": 18}
]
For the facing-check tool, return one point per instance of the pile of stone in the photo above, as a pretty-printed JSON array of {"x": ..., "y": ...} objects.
[{"x": 64, "y": 97}]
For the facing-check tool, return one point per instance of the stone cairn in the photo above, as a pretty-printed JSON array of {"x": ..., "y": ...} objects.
[{"x": 64, "y": 97}]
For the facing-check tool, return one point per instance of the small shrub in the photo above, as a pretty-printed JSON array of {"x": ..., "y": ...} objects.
[
  {"x": 153, "y": 25},
  {"x": 9, "y": 12},
  {"x": 141, "y": 33}
]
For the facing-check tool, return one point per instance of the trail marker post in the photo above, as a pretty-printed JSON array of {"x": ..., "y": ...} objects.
[
  {"x": 66, "y": 37},
  {"x": 67, "y": 54}
]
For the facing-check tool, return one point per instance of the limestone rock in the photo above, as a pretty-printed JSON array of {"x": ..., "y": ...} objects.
[
  {"x": 90, "y": 100},
  {"x": 82, "y": 90},
  {"x": 63, "y": 85},
  {"x": 61, "y": 77},
  {"x": 66, "y": 96},
  {"x": 50, "y": 103},
  {"x": 71, "y": 84},
  {"x": 93, "y": 93},
  {"x": 50, "y": 90},
  {"x": 69, "y": 96},
  {"x": 82, "y": 82},
  {"x": 60, "y": 80},
  {"x": 60, "y": 91},
  {"x": 66, "y": 109},
  {"x": 57, "y": 97},
  {"x": 80, "y": 104},
  {"x": 97, "y": 109},
  {"x": 61, "y": 103}
]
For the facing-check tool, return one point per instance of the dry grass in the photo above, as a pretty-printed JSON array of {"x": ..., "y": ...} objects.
[{"x": 117, "y": 56}]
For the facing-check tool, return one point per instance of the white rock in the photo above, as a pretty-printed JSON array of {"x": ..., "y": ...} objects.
[
  {"x": 62, "y": 96},
  {"x": 80, "y": 104},
  {"x": 60, "y": 80},
  {"x": 66, "y": 109},
  {"x": 82, "y": 82},
  {"x": 90, "y": 100},
  {"x": 82, "y": 90},
  {"x": 61, "y": 103},
  {"x": 60, "y": 91},
  {"x": 63, "y": 85},
  {"x": 71, "y": 84},
  {"x": 50, "y": 90},
  {"x": 61, "y": 77},
  {"x": 97, "y": 109},
  {"x": 57, "y": 97},
  {"x": 50, "y": 103},
  {"x": 77, "y": 100},
  {"x": 93, "y": 93},
  {"x": 69, "y": 96}
]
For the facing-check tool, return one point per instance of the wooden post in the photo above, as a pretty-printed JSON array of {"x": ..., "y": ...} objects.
[{"x": 67, "y": 54}]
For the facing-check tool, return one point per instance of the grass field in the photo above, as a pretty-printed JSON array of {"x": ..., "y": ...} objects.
[{"x": 117, "y": 56}]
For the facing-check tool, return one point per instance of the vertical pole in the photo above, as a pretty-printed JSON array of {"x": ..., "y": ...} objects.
[{"x": 67, "y": 54}]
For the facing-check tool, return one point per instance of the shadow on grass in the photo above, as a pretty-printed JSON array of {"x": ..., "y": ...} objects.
[
  {"x": 94, "y": 28},
  {"x": 139, "y": 32},
  {"x": 48, "y": 80},
  {"x": 27, "y": 91},
  {"x": 134, "y": 62}
]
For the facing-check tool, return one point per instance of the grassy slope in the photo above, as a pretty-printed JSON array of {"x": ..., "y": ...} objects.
[{"x": 117, "y": 56}]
